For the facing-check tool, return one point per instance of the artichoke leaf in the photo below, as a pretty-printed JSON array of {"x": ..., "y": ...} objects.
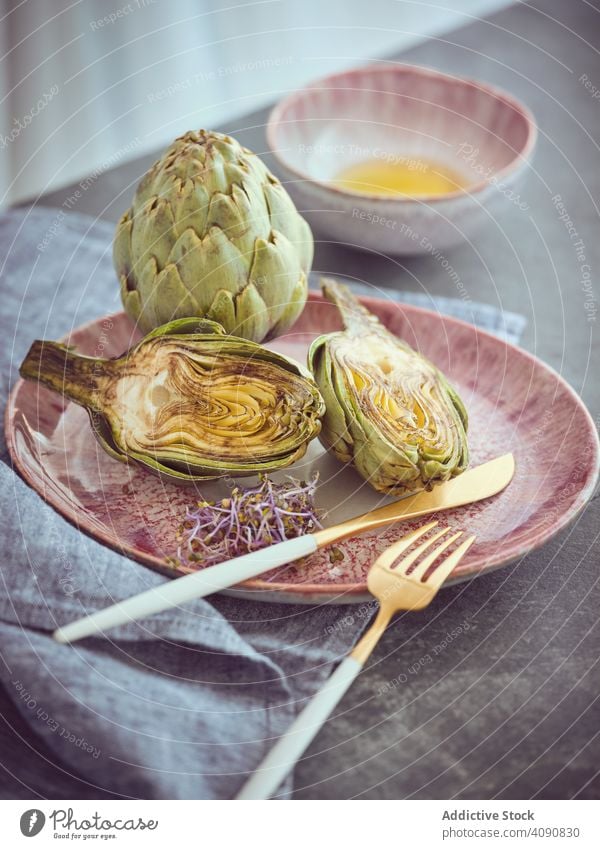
[
  {"x": 192, "y": 207},
  {"x": 209, "y": 264},
  {"x": 223, "y": 309},
  {"x": 122, "y": 247},
  {"x": 274, "y": 270},
  {"x": 251, "y": 313},
  {"x": 186, "y": 327},
  {"x": 286, "y": 220},
  {"x": 157, "y": 308},
  {"x": 292, "y": 310},
  {"x": 152, "y": 235}
]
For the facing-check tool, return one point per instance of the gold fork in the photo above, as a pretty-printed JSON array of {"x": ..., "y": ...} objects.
[{"x": 397, "y": 585}]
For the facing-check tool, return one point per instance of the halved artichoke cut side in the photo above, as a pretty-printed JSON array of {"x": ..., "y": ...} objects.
[
  {"x": 190, "y": 402},
  {"x": 389, "y": 411}
]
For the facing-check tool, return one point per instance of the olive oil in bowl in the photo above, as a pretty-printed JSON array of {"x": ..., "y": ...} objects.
[{"x": 400, "y": 178}]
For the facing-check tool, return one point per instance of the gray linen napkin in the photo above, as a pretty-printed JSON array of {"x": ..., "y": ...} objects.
[{"x": 186, "y": 703}]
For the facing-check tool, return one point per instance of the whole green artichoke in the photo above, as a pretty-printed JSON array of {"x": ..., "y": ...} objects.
[
  {"x": 389, "y": 411},
  {"x": 212, "y": 233},
  {"x": 189, "y": 401}
]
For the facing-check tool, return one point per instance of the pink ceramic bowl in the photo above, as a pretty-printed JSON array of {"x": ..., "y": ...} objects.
[{"x": 405, "y": 114}]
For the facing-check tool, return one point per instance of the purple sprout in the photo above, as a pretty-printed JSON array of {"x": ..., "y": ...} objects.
[{"x": 247, "y": 520}]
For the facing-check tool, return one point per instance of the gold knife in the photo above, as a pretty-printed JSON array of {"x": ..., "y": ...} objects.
[{"x": 473, "y": 485}]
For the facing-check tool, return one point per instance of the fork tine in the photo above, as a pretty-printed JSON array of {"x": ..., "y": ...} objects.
[
  {"x": 407, "y": 561},
  {"x": 439, "y": 575},
  {"x": 422, "y": 567},
  {"x": 390, "y": 555}
]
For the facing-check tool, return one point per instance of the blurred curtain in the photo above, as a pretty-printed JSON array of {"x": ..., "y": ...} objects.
[{"x": 89, "y": 83}]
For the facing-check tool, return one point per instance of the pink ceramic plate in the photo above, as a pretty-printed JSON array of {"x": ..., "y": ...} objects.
[{"x": 516, "y": 403}]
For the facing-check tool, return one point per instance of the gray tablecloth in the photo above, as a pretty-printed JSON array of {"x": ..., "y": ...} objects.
[{"x": 185, "y": 704}]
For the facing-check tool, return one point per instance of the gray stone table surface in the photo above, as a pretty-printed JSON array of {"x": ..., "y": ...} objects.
[{"x": 508, "y": 708}]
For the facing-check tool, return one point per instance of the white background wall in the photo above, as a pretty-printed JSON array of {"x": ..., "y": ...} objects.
[{"x": 88, "y": 83}]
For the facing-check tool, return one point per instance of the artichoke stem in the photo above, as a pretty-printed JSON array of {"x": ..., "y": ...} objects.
[
  {"x": 74, "y": 376},
  {"x": 355, "y": 317}
]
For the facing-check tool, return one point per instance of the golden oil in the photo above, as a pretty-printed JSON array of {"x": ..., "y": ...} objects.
[{"x": 405, "y": 177}]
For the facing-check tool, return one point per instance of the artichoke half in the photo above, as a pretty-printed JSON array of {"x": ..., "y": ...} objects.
[
  {"x": 390, "y": 412},
  {"x": 188, "y": 401},
  {"x": 212, "y": 233}
]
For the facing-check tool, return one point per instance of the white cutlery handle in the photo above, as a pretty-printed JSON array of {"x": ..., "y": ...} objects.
[
  {"x": 196, "y": 585},
  {"x": 285, "y": 753}
]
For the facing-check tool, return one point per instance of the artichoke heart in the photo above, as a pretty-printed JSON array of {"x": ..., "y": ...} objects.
[
  {"x": 389, "y": 411},
  {"x": 189, "y": 402}
]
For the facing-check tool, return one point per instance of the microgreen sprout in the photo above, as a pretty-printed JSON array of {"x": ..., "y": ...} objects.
[{"x": 247, "y": 520}]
